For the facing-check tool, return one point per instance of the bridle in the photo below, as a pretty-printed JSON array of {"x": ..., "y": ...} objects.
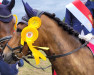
[
  {"x": 50, "y": 57},
  {"x": 6, "y": 38},
  {"x": 18, "y": 47},
  {"x": 13, "y": 49}
]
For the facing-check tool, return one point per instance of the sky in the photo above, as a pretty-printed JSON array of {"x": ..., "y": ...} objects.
[{"x": 51, "y": 6}]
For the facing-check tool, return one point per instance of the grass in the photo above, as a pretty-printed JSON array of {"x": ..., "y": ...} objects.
[{"x": 29, "y": 70}]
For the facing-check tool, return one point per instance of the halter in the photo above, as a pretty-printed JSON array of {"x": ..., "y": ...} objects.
[
  {"x": 6, "y": 38},
  {"x": 13, "y": 49}
]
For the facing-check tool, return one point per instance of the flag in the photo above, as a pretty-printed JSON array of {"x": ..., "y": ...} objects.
[
  {"x": 82, "y": 13},
  {"x": 1, "y": 1}
]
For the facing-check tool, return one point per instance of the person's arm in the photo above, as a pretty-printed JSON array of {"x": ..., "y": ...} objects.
[{"x": 68, "y": 18}]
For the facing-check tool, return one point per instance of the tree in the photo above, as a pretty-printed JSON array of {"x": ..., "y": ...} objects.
[{"x": 92, "y": 0}]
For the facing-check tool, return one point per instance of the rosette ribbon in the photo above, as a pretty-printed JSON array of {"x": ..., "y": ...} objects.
[
  {"x": 30, "y": 34},
  {"x": 16, "y": 20}
]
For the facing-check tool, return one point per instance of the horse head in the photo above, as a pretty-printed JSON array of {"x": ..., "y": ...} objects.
[
  {"x": 7, "y": 21},
  {"x": 47, "y": 36},
  {"x": 30, "y": 12},
  {"x": 60, "y": 38}
]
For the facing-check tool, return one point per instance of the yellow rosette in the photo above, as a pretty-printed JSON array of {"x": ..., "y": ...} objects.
[
  {"x": 34, "y": 22},
  {"x": 30, "y": 34}
]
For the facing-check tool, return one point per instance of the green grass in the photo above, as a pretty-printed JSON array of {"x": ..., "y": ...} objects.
[{"x": 29, "y": 70}]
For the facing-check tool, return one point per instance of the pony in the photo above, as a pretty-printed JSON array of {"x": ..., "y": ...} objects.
[
  {"x": 61, "y": 39},
  {"x": 7, "y": 22}
]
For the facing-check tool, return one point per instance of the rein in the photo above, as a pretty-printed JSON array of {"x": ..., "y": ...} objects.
[
  {"x": 66, "y": 28},
  {"x": 35, "y": 66},
  {"x": 62, "y": 55},
  {"x": 50, "y": 57},
  {"x": 55, "y": 56},
  {"x": 16, "y": 57}
]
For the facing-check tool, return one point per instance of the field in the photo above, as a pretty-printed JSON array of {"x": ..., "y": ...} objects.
[{"x": 29, "y": 70}]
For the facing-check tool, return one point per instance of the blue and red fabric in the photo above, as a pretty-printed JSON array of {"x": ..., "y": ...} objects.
[
  {"x": 72, "y": 21},
  {"x": 54, "y": 73},
  {"x": 0, "y": 1}
]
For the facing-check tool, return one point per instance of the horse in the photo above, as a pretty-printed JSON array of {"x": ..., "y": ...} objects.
[
  {"x": 61, "y": 39},
  {"x": 7, "y": 23}
]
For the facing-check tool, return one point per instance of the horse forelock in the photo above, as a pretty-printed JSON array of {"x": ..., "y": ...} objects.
[{"x": 64, "y": 26}]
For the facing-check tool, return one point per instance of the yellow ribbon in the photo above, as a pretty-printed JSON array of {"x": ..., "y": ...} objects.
[
  {"x": 15, "y": 26},
  {"x": 30, "y": 34},
  {"x": 43, "y": 48}
]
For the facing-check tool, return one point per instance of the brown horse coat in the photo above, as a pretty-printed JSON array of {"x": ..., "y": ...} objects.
[{"x": 59, "y": 41}]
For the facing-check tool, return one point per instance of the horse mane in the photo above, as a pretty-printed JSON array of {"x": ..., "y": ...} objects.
[{"x": 64, "y": 26}]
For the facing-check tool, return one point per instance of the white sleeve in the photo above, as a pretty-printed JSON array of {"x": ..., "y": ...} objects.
[
  {"x": 87, "y": 37},
  {"x": 17, "y": 67}
]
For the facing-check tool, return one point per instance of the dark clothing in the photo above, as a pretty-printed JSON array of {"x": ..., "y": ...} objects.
[
  {"x": 71, "y": 20},
  {"x": 6, "y": 69},
  {"x": 5, "y": 2},
  {"x": 9, "y": 69}
]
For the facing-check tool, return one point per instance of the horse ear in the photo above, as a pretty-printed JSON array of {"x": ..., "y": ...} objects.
[
  {"x": 29, "y": 10},
  {"x": 11, "y": 4}
]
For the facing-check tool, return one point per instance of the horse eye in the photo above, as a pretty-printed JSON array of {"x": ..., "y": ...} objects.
[{"x": 19, "y": 30}]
